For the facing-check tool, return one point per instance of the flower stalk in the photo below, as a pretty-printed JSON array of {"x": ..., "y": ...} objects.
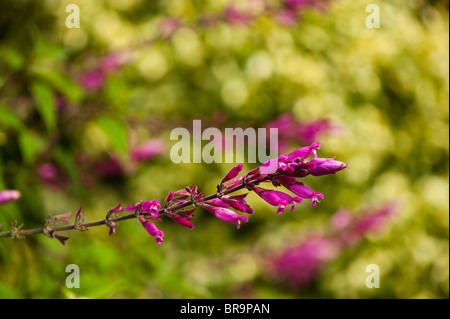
[{"x": 221, "y": 204}]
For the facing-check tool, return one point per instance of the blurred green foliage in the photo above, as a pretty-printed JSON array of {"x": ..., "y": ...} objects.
[{"x": 388, "y": 87}]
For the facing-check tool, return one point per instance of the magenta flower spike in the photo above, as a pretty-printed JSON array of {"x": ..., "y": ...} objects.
[
  {"x": 9, "y": 195},
  {"x": 282, "y": 171},
  {"x": 226, "y": 214},
  {"x": 152, "y": 229}
]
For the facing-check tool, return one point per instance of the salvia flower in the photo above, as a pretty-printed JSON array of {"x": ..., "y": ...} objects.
[
  {"x": 149, "y": 206},
  {"x": 325, "y": 166},
  {"x": 303, "y": 152},
  {"x": 238, "y": 202},
  {"x": 183, "y": 221},
  {"x": 152, "y": 229},
  {"x": 299, "y": 189},
  {"x": 232, "y": 173},
  {"x": 9, "y": 195},
  {"x": 226, "y": 214},
  {"x": 64, "y": 217},
  {"x": 277, "y": 198}
]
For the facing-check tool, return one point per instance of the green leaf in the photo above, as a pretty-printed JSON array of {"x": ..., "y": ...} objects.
[
  {"x": 13, "y": 58},
  {"x": 116, "y": 131},
  {"x": 30, "y": 145},
  {"x": 45, "y": 103},
  {"x": 61, "y": 83},
  {"x": 66, "y": 160},
  {"x": 9, "y": 119}
]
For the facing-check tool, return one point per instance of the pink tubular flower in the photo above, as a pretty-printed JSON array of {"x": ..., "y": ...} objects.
[
  {"x": 226, "y": 214},
  {"x": 152, "y": 229},
  {"x": 149, "y": 206},
  {"x": 183, "y": 221},
  {"x": 303, "y": 152},
  {"x": 302, "y": 191},
  {"x": 217, "y": 202},
  {"x": 324, "y": 166},
  {"x": 10, "y": 195},
  {"x": 148, "y": 150},
  {"x": 64, "y": 217},
  {"x": 116, "y": 209},
  {"x": 232, "y": 173},
  {"x": 277, "y": 198},
  {"x": 238, "y": 202}
]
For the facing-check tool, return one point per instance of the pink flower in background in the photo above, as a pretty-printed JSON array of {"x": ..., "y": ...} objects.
[
  {"x": 60, "y": 103},
  {"x": 291, "y": 131},
  {"x": 148, "y": 150},
  {"x": 373, "y": 221},
  {"x": 114, "y": 61},
  {"x": 47, "y": 172},
  {"x": 303, "y": 262},
  {"x": 309, "y": 132},
  {"x": 237, "y": 17},
  {"x": 286, "y": 18},
  {"x": 168, "y": 27},
  {"x": 109, "y": 167},
  {"x": 52, "y": 175},
  {"x": 9, "y": 195},
  {"x": 92, "y": 81},
  {"x": 296, "y": 5},
  {"x": 340, "y": 220}
]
